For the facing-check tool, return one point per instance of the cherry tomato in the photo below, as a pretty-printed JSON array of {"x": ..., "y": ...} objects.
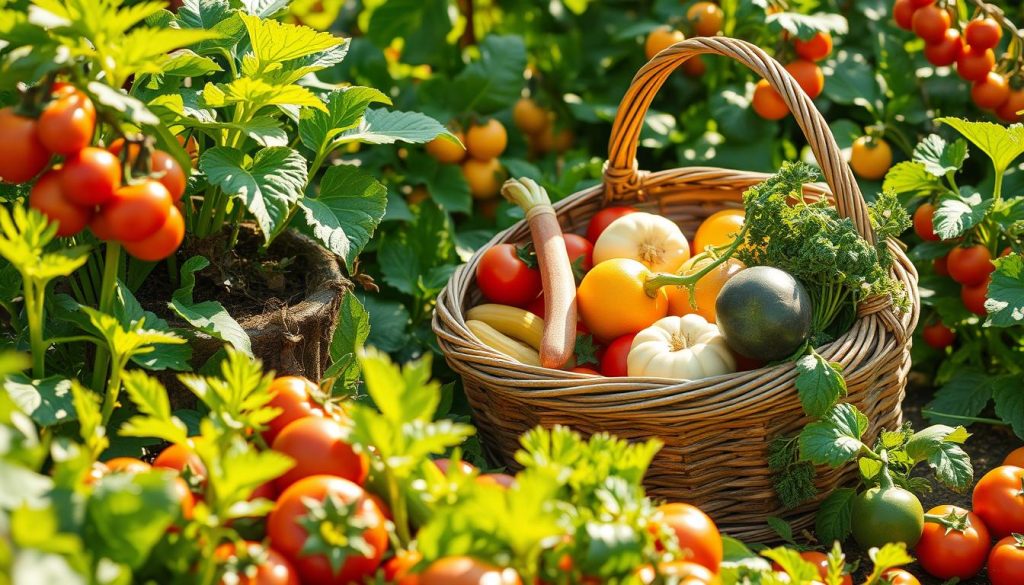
[
  {"x": 816, "y": 48},
  {"x": 767, "y": 102},
  {"x": 90, "y": 176},
  {"x": 68, "y": 122},
  {"x": 1015, "y": 458},
  {"x": 349, "y": 515},
  {"x": 983, "y": 33},
  {"x": 579, "y": 247},
  {"x": 127, "y": 465},
  {"x": 294, "y": 396},
  {"x": 974, "y": 297},
  {"x": 697, "y": 534},
  {"x": 1015, "y": 103},
  {"x": 529, "y": 116},
  {"x": 930, "y": 23},
  {"x": 613, "y": 364},
  {"x": 1006, "y": 561},
  {"x": 178, "y": 457},
  {"x": 808, "y": 75},
  {"x": 970, "y": 265},
  {"x": 447, "y": 151},
  {"x": 602, "y": 219},
  {"x": 938, "y": 335},
  {"x": 974, "y": 64},
  {"x": 467, "y": 571},
  {"x": 991, "y": 92},
  {"x": 999, "y": 500},
  {"x": 265, "y": 490},
  {"x": 257, "y": 565},
  {"x": 705, "y": 18},
  {"x": 486, "y": 141},
  {"x": 923, "y": 225},
  {"x": 505, "y": 278},
  {"x": 870, "y": 158},
  {"x": 903, "y": 14},
  {"x": 397, "y": 568},
  {"x": 163, "y": 167},
  {"x": 940, "y": 266},
  {"x": 660, "y": 39},
  {"x": 24, "y": 155},
  {"x": 49, "y": 198},
  {"x": 161, "y": 243},
  {"x": 945, "y": 52},
  {"x": 136, "y": 211},
  {"x": 920, "y": 3},
  {"x": 900, "y": 577},
  {"x": 719, "y": 229},
  {"x": 957, "y": 549},
  {"x": 319, "y": 447}
]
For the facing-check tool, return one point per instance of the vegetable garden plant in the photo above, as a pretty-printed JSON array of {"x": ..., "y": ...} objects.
[{"x": 149, "y": 149}]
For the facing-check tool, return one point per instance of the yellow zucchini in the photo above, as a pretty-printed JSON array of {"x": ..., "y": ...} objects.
[
  {"x": 512, "y": 321},
  {"x": 502, "y": 343}
]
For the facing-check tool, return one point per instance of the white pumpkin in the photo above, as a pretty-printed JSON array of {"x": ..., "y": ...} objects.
[
  {"x": 681, "y": 348},
  {"x": 655, "y": 241}
]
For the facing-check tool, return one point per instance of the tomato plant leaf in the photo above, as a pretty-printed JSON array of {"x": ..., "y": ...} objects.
[
  {"x": 888, "y": 557},
  {"x": 348, "y": 209},
  {"x": 90, "y": 419},
  {"x": 835, "y": 439},
  {"x": 129, "y": 513},
  {"x": 911, "y": 178},
  {"x": 48, "y": 401},
  {"x": 445, "y": 183},
  {"x": 162, "y": 357},
  {"x": 345, "y": 107},
  {"x": 130, "y": 107},
  {"x": 939, "y": 445},
  {"x": 269, "y": 186},
  {"x": 20, "y": 486},
  {"x": 955, "y": 215},
  {"x": 1001, "y": 143},
  {"x": 388, "y": 127},
  {"x": 1005, "y": 302},
  {"x": 799, "y": 570},
  {"x": 490, "y": 84},
  {"x": 965, "y": 394},
  {"x": 186, "y": 63},
  {"x": 401, "y": 394},
  {"x": 804, "y": 26},
  {"x": 277, "y": 42},
  {"x": 938, "y": 157},
  {"x": 210, "y": 317},
  {"x": 852, "y": 80},
  {"x": 410, "y": 256},
  {"x": 424, "y": 25},
  {"x": 348, "y": 340},
  {"x": 258, "y": 93},
  {"x": 244, "y": 471},
  {"x": 1009, "y": 402},
  {"x": 819, "y": 383},
  {"x": 155, "y": 420},
  {"x": 834, "y": 520}
]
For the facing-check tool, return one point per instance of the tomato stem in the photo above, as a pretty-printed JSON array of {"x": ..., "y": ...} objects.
[
  {"x": 107, "y": 288},
  {"x": 656, "y": 281},
  {"x": 34, "y": 308}
]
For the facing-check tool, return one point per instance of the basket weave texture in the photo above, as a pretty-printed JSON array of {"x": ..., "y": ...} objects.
[{"x": 716, "y": 431}]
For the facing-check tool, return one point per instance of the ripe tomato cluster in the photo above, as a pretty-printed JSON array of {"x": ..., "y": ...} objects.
[
  {"x": 539, "y": 126},
  {"x": 703, "y": 19},
  {"x": 971, "y": 51},
  {"x": 767, "y": 102},
  {"x": 477, "y": 152},
  {"x": 86, "y": 186}
]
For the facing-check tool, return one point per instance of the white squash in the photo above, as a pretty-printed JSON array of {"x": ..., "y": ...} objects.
[
  {"x": 653, "y": 240},
  {"x": 681, "y": 348}
]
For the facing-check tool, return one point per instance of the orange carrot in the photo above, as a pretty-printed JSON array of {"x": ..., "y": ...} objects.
[{"x": 559, "y": 339}]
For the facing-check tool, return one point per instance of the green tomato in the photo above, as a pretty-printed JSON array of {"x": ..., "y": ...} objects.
[{"x": 887, "y": 514}]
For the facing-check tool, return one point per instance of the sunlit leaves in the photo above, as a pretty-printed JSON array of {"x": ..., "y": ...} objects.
[
  {"x": 345, "y": 214},
  {"x": 209, "y": 317},
  {"x": 1001, "y": 143}
]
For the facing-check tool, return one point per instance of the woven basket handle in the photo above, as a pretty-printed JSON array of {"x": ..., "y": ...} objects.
[{"x": 622, "y": 176}]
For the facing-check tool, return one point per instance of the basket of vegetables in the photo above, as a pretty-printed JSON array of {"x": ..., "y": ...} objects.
[{"x": 753, "y": 354}]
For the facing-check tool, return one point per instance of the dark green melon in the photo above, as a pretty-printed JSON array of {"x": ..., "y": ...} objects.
[{"x": 764, "y": 313}]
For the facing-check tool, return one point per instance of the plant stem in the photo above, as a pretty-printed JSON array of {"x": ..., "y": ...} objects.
[
  {"x": 399, "y": 508},
  {"x": 34, "y": 313},
  {"x": 113, "y": 390},
  {"x": 656, "y": 281},
  {"x": 107, "y": 289},
  {"x": 977, "y": 419}
]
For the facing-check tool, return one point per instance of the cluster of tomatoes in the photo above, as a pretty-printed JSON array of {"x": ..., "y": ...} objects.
[
  {"x": 86, "y": 186},
  {"x": 538, "y": 125},
  {"x": 477, "y": 152},
  {"x": 704, "y": 19},
  {"x": 767, "y": 102},
  {"x": 972, "y": 52}
]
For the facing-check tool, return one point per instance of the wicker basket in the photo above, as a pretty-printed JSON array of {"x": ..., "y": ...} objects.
[{"x": 716, "y": 431}]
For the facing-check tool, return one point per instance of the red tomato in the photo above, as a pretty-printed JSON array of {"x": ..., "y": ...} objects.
[
  {"x": 1015, "y": 103},
  {"x": 919, "y": 3},
  {"x": 974, "y": 297},
  {"x": 185, "y": 498},
  {"x": 265, "y": 490},
  {"x": 467, "y": 571},
  {"x": 603, "y": 218},
  {"x": 319, "y": 447},
  {"x": 970, "y": 265},
  {"x": 257, "y": 565},
  {"x": 294, "y": 396},
  {"x": 613, "y": 364},
  {"x": 1015, "y": 458},
  {"x": 999, "y": 500},
  {"x": 974, "y": 64},
  {"x": 49, "y": 198},
  {"x": 504, "y": 278},
  {"x": 930, "y": 23},
  {"x": 163, "y": 167},
  {"x": 938, "y": 335},
  {"x": 923, "y": 222},
  {"x": 808, "y": 75},
  {"x": 940, "y": 266},
  {"x": 816, "y": 48},
  {"x": 136, "y": 211},
  {"x": 397, "y": 568},
  {"x": 349, "y": 515},
  {"x": 697, "y": 534},
  {"x": 579, "y": 247},
  {"x": 90, "y": 176},
  {"x": 900, "y": 577},
  {"x": 991, "y": 92},
  {"x": 127, "y": 465},
  {"x": 820, "y": 561},
  {"x": 536, "y": 306},
  {"x": 24, "y": 155},
  {"x": 903, "y": 14},
  {"x": 68, "y": 122},
  {"x": 954, "y": 550},
  {"x": 161, "y": 243},
  {"x": 179, "y": 456},
  {"x": 1006, "y": 562},
  {"x": 945, "y": 52},
  {"x": 983, "y": 33}
]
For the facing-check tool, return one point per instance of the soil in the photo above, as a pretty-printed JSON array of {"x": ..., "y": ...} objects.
[{"x": 988, "y": 446}]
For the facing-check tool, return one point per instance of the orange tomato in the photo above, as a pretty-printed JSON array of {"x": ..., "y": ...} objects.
[
  {"x": 486, "y": 141},
  {"x": 1015, "y": 458},
  {"x": 718, "y": 229},
  {"x": 446, "y": 151},
  {"x": 529, "y": 116},
  {"x": 484, "y": 177},
  {"x": 612, "y": 300},
  {"x": 660, "y": 39},
  {"x": 768, "y": 103},
  {"x": 707, "y": 289},
  {"x": 808, "y": 75}
]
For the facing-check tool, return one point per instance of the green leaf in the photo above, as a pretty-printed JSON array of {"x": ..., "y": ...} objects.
[
  {"x": 20, "y": 486},
  {"x": 90, "y": 419},
  {"x": 836, "y": 438},
  {"x": 955, "y": 215},
  {"x": 276, "y": 42},
  {"x": 1001, "y": 143},
  {"x": 1005, "y": 298},
  {"x": 423, "y": 25},
  {"x": 345, "y": 107},
  {"x": 799, "y": 570},
  {"x": 345, "y": 214},
  {"x": 150, "y": 396},
  {"x": 48, "y": 401},
  {"x": 490, "y": 84},
  {"x": 129, "y": 514},
  {"x": 186, "y": 63},
  {"x": 819, "y": 383},
  {"x": 804, "y": 26},
  {"x": 348, "y": 340},
  {"x": 257, "y": 93},
  {"x": 127, "y": 342},
  {"x": 1009, "y": 401},
  {"x": 939, "y": 158},
  {"x": 445, "y": 183},
  {"x": 911, "y": 177},
  {"x": 129, "y": 107},
  {"x": 270, "y": 185},
  {"x": 834, "y": 520},
  {"x": 163, "y": 356},
  {"x": 388, "y": 127},
  {"x": 401, "y": 394},
  {"x": 210, "y": 317},
  {"x": 245, "y": 471},
  {"x": 939, "y": 446},
  {"x": 852, "y": 80},
  {"x": 966, "y": 393},
  {"x": 889, "y": 556}
]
